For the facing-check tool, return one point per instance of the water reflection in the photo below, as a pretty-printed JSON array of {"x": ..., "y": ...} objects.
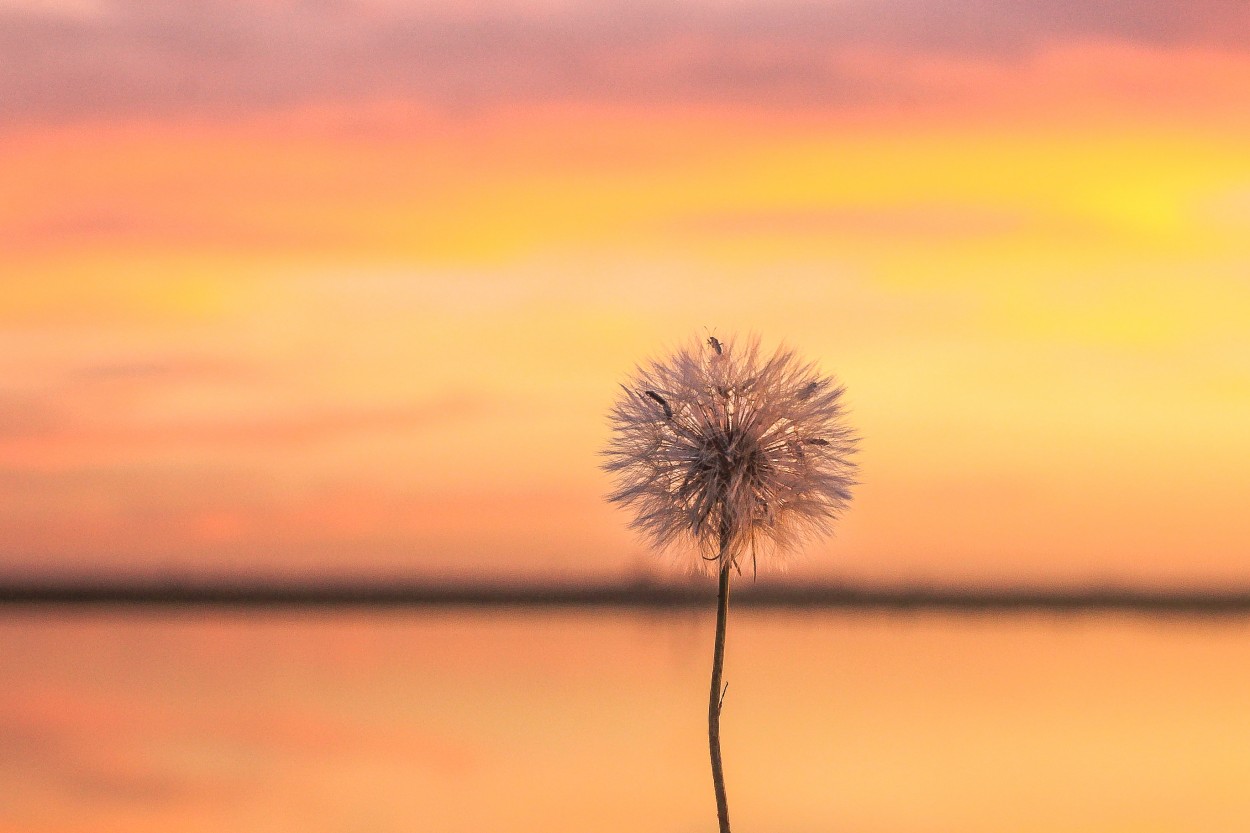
[{"x": 595, "y": 722}]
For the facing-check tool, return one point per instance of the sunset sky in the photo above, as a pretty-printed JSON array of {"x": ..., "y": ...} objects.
[{"x": 295, "y": 288}]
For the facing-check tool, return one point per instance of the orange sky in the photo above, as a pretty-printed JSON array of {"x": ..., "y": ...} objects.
[{"x": 351, "y": 289}]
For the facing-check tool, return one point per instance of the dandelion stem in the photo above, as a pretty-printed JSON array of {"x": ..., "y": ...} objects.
[
  {"x": 719, "y": 442},
  {"x": 716, "y": 697}
]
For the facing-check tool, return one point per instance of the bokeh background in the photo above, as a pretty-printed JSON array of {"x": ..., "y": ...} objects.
[
  {"x": 348, "y": 286},
  {"x": 295, "y": 290}
]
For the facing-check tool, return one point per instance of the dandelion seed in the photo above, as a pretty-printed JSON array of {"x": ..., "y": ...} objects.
[
  {"x": 725, "y": 473},
  {"x": 668, "y": 411}
]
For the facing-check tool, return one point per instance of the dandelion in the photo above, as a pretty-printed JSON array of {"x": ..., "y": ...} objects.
[{"x": 729, "y": 455}]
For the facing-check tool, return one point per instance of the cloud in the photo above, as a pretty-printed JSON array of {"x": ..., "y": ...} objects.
[
  {"x": 181, "y": 369},
  {"x": 31, "y": 428},
  {"x": 158, "y": 58},
  {"x": 924, "y": 221},
  {"x": 23, "y": 416}
]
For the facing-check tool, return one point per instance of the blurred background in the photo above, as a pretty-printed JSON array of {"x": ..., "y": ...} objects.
[{"x": 307, "y": 290}]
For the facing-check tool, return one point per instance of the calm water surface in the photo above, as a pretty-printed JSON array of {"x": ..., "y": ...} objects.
[{"x": 596, "y": 722}]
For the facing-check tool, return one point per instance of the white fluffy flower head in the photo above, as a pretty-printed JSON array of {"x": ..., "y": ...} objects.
[{"x": 731, "y": 453}]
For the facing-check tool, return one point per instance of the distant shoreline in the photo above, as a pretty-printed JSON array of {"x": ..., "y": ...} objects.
[{"x": 625, "y": 595}]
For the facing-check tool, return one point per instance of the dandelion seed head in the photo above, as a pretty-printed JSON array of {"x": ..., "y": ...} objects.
[{"x": 727, "y": 453}]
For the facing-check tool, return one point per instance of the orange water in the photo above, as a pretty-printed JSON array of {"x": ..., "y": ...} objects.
[{"x": 595, "y": 722}]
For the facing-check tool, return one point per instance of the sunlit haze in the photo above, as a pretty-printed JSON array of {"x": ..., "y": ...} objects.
[{"x": 296, "y": 289}]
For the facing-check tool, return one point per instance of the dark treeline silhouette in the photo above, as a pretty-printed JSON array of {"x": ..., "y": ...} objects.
[{"x": 640, "y": 595}]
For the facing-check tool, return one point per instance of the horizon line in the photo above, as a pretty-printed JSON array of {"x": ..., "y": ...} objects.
[{"x": 635, "y": 593}]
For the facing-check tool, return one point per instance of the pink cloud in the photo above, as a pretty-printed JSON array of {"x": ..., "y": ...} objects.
[{"x": 223, "y": 57}]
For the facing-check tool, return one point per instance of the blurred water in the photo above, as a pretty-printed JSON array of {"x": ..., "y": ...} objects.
[{"x": 596, "y": 722}]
